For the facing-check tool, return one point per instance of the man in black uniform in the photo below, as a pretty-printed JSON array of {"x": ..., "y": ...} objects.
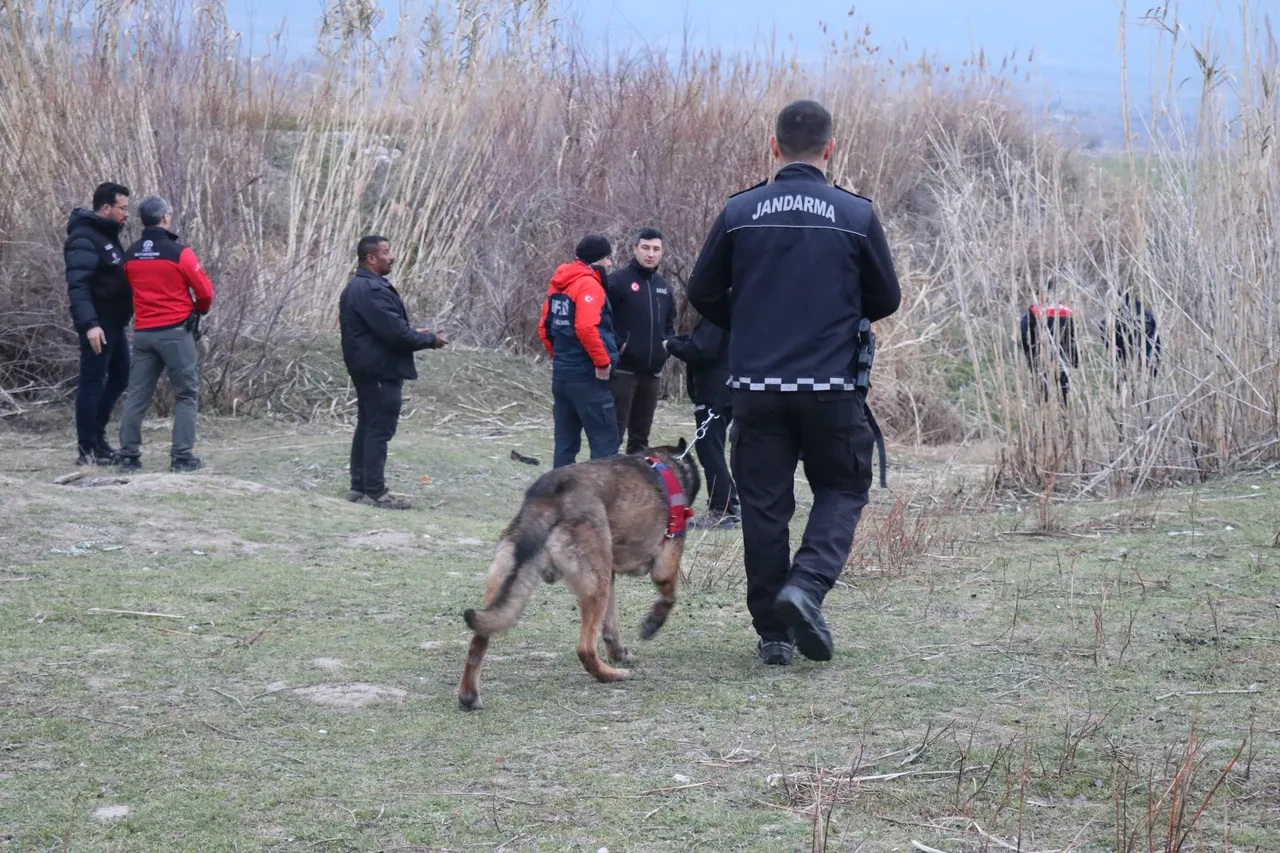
[{"x": 791, "y": 268}]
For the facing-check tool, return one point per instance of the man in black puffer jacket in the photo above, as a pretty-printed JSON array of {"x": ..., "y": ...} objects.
[
  {"x": 705, "y": 353},
  {"x": 101, "y": 307},
  {"x": 644, "y": 316}
]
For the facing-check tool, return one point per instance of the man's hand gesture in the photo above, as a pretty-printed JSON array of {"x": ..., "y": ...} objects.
[
  {"x": 602, "y": 373},
  {"x": 97, "y": 339},
  {"x": 440, "y": 338}
]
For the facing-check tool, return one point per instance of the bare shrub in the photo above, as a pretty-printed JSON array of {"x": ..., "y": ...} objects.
[{"x": 893, "y": 540}]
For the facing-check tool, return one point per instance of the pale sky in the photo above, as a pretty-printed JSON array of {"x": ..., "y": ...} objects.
[{"x": 1076, "y": 43}]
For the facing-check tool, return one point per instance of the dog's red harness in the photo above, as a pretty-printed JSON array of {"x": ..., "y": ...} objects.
[{"x": 678, "y": 510}]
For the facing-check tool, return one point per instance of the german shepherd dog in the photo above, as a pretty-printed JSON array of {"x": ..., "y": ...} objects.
[{"x": 587, "y": 523}]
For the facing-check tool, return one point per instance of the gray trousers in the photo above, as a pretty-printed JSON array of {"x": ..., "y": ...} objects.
[{"x": 174, "y": 351}]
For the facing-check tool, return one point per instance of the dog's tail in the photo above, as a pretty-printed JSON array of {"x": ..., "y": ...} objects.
[{"x": 518, "y": 564}]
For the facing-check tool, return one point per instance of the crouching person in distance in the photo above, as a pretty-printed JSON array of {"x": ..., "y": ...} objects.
[
  {"x": 170, "y": 294},
  {"x": 577, "y": 330}
]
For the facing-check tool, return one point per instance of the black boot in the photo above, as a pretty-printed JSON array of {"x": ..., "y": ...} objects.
[{"x": 803, "y": 615}]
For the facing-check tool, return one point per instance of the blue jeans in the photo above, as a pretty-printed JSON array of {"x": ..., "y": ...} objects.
[
  {"x": 583, "y": 405},
  {"x": 103, "y": 378}
]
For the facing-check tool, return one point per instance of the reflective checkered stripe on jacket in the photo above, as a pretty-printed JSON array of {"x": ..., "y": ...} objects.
[{"x": 835, "y": 383}]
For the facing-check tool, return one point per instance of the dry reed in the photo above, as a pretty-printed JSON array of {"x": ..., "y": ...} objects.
[{"x": 485, "y": 138}]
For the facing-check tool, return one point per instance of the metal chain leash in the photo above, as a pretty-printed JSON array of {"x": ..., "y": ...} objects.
[{"x": 698, "y": 435}]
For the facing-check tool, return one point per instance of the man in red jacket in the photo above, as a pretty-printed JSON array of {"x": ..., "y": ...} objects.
[
  {"x": 576, "y": 328},
  {"x": 170, "y": 293}
]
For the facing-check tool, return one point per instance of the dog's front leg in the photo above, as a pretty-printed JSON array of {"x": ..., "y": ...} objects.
[
  {"x": 594, "y": 606},
  {"x": 613, "y": 629},
  {"x": 666, "y": 572}
]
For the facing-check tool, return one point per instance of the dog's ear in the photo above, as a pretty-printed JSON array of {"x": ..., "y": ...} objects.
[{"x": 681, "y": 444}]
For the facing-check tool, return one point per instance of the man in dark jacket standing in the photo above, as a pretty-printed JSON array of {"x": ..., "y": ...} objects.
[
  {"x": 644, "y": 316},
  {"x": 705, "y": 353},
  {"x": 377, "y": 346},
  {"x": 101, "y": 307},
  {"x": 791, "y": 268}
]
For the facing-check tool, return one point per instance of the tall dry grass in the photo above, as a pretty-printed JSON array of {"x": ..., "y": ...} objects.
[
  {"x": 1191, "y": 229},
  {"x": 484, "y": 138}
]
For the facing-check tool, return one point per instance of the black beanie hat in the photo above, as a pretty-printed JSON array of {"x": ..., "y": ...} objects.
[{"x": 592, "y": 248}]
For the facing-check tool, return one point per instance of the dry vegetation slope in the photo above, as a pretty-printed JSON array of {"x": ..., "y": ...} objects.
[
  {"x": 485, "y": 145},
  {"x": 1055, "y": 675}
]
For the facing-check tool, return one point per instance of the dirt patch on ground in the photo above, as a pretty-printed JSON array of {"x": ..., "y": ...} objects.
[
  {"x": 166, "y": 484},
  {"x": 328, "y": 664},
  {"x": 351, "y": 696},
  {"x": 169, "y": 533},
  {"x": 107, "y": 814},
  {"x": 378, "y": 539}
]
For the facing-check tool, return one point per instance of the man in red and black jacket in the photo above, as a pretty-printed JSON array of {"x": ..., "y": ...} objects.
[
  {"x": 576, "y": 328},
  {"x": 170, "y": 293},
  {"x": 644, "y": 314},
  {"x": 1058, "y": 321}
]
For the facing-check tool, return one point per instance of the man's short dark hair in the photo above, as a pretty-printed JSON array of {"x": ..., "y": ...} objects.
[
  {"x": 106, "y": 194},
  {"x": 803, "y": 129},
  {"x": 648, "y": 234},
  {"x": 367, "y": 246}
]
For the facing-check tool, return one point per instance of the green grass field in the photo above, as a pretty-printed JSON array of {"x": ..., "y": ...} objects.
[{"x": 1010, "y": 673}]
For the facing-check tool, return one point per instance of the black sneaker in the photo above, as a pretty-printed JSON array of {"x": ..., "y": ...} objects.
[
  {"x": 713, "y": 521},
  {"x": 803, "y": 616},
  {"x": 387, "y": 501},
  {"x": 775, "y": 652},
  {"x": 354, "y": 495},
  {"x": 129, "y": 464},
  {"x": 102, "y": 454},
  {"x": 186, "y": 466}
]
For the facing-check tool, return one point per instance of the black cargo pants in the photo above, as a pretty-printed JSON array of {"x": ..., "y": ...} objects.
[{"x": 774, "y": 428}]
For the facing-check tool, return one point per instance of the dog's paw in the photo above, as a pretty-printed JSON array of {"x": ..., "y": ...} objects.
[
  {"x": 649, "y": 627},
  {"x": 470, "y": 703},
  {"x": 623, "y": 657}
]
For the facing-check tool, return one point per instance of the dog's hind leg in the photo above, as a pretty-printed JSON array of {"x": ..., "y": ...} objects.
[
  {"x": 613, "y": 628},
  {"x": 666, "y": 571},
  {"x": 469, "y": 686},
  {"x": 583, "y": 554}
]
